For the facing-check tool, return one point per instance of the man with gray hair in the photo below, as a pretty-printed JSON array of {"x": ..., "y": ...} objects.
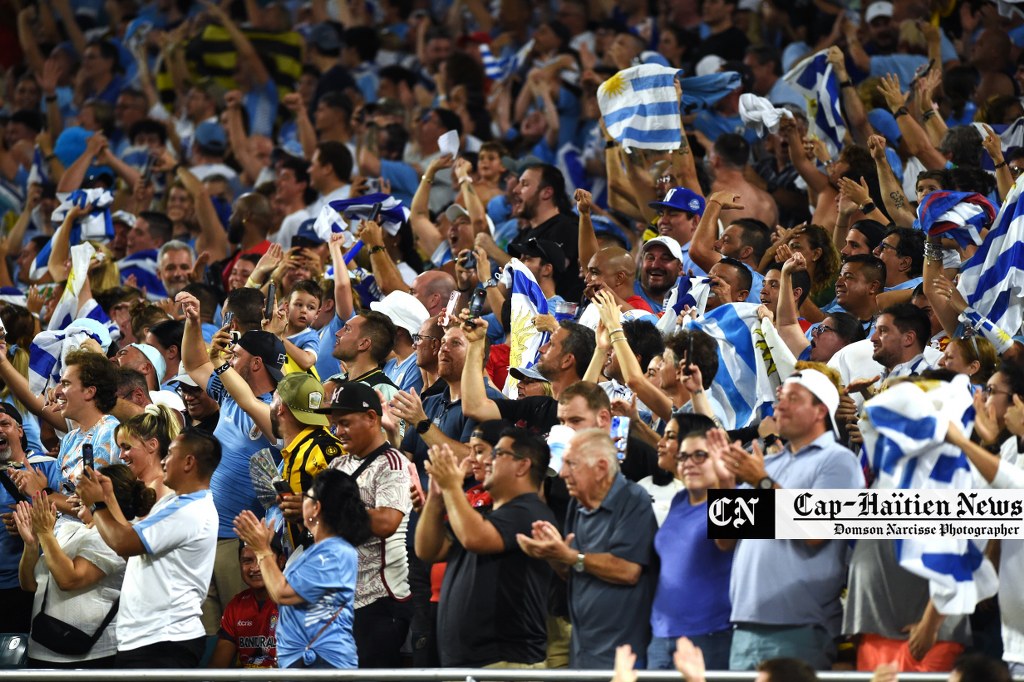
[
  {"x": 174, "y": 266},
  {"x": 606, "y": 554}
]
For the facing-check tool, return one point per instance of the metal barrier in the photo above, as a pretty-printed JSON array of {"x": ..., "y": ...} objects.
[{"x": 405, "y": 675}]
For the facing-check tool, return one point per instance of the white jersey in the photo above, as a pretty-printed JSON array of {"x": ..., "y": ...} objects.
[{"x": 164, "y": 589}]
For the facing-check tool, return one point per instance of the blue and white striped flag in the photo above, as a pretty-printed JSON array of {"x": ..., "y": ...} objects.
[
  {"x": 741, "y": 385},
  {"x": 494, "y": 68},
  {"x": 688, "y": 292},
  {"x": 992, "y": 280},
  {"x": 527, "y": 301},
  {"x": 96, "y": 225},
  {"x": 144, "y": 267},
  {"x": 392, "y": 214},
  {"x": 960, "y": 216},
  {"x": 47, "y": 352},
  {"x": 904, "y": 430},
  {"x": 640, "y": 107},
  {"x": 814, "y": 79}
]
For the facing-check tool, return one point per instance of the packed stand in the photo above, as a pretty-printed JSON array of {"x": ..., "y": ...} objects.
[{"x": 378, "y": 334}]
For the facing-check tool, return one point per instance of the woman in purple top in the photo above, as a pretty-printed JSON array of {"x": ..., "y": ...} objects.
[{"x": 692, "y": 598}]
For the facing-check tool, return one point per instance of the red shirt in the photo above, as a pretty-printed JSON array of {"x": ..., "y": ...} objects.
[
  {"x": 258, "y": 250},
  {"x": 251, "y": 625},
  {"x": 639, "y": 302}
]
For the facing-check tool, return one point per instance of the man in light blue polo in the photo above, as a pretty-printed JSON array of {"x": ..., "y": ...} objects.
[{"x": 785, "y": 593}]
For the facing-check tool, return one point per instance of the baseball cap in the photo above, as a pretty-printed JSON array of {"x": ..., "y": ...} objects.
[
  {"x": 546, "y": 249},
  {"x": 454, "y": 212},
  {"x": 517, "y": 166},
  {"x": 306, "y": 236},
  {"x": 325, "y": 38},
  {"x": 681, "y": 199},
  {"x": 885, "y": 125},
  {"x": 822, "y": 388},
  {"x": 669, "y": 243},
  {"x": 404, "y": 309},
  {"x": 303, "y": 395},
  {"x": 267, "y": 348},
  {"x": 708, "y": 65},
  {"x": 155, "y": 359},
  {"x": 353, "y": 396},
  {"x": 13, "y": 413},
  {"x": 182, "y": 377},
  {"x": 125, "y": 217},
  {"x": 527, "y": 374},
  {"x": 877, "y": 9},
  {"x": 211, "y": 136}
]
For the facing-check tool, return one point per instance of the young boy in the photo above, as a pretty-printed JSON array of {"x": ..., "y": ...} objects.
[
  {"x": 246, "y": 638},
  {"x": 301, "y": 341}
]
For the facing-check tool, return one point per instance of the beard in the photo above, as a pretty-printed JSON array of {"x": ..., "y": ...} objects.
[
  {"x": 275, "y": 425},
  {"x": 235, "y": 232}
]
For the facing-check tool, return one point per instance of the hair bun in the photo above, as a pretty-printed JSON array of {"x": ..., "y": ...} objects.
[{"x": 152, "y": 409}]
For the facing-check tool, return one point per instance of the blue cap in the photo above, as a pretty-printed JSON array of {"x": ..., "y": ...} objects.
[
  {"x": 71, "y": 144},
  {"x": 211, "y": 136},
  {"x": 885, "y": 125},
  {"x": 681, "y": 199},
  {"x": 605, "y": 226},
  {"x": 307, "y": 233}
]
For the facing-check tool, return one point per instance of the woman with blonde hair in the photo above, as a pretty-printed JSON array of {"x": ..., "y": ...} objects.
[{"x": 144, "y": 441}]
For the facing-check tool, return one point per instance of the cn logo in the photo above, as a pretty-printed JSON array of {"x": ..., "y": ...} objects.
[
  {"x": 724, "y": 511},
  {"x": 741, "y": 514}
]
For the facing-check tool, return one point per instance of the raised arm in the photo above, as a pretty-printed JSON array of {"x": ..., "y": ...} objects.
[
  {"x": 60, "y": 249},
  {"x": 896, "y": 203},
  {"x": 587, "y": 239},
  {"x": 470, "y": 527},
  {"x": 427, "y": 234},
  {"x": 247, "y": 54},
  {"x": 432, "y": 543},
  {"x": 74, "y": 175},
  {"x": 787, "y": 318},
  {"x": 303, "y": 126},
  {"x": 702, "y": 244},
  {"x": 212, "y": 238},
  {"x": 68, "y": 573},
  {"x": 475, "y": 403},
  {"x": 343, "y": 303},
  {"x": 18, "y": 383},
  {"x": 193, "y": 349},
  {"x": 916, "y": 138},
  {"x": 118, "y": 533},
  {"x": 856, "y": 118},
  {"x": 1004, "y": 178}
]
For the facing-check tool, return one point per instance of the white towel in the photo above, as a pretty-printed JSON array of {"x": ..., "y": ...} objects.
[{"x": 759, "y": 113}]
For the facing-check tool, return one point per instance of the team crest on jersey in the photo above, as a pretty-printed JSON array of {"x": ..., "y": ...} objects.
[{"x": 255, "y": 433}]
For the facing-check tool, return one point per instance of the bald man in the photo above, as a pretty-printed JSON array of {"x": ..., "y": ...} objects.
[
  {"x": 613, "y": 269},
  {"x": 432, "y": 289}
]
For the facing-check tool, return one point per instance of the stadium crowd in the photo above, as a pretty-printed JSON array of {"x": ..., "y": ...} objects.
[{"x": 352, "y": 334}]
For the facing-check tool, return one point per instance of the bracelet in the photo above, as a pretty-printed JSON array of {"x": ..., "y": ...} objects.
[
  {"x": 610, "y": 144},
  {"x": 930, "y": 113},
  {"x": 614, "y": 338},
  {"x": 612, "y": 331},
  {"x": 846, "y": 84},
  {"x": 253, "y": 284},
  {"x": 868, "y": 207},
  {"x": 902, "y": 111},
  {"x": 1001, "y": 164},
  {"x": 429, "y": 181},
  {"x": 376, "y": 249},
  {"x": 223, "y": 368},
  {"x": 934, "y": 252}
]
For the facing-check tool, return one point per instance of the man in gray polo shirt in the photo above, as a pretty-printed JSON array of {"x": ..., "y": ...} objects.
[
  {"x": 785, "y": 593},
  {"x": 610, "y": 529}
]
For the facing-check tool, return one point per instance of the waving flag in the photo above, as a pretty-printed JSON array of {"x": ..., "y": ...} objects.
[
  {"x": 904, "y": 430},
  {"x": 992, "y": 280},
  {"x": 741, "y": 385},
  {"x": 779, "y": 361},
  {"x": 527, "y": 301},
  {"x": 95, "y": 225},
  {"x": 640, "y": 107},
  {"x": 47, "y": 352},
  {"x": 960, "y": 216},
  {"x": 815, "y": 80},
  {"x": 689, "y": 292},
  {"x": 144, "y": 267},
  {"x": 703, "y": 92},
  {"x": 392, "y": 214},
  {"x": 494, "y": 68}
]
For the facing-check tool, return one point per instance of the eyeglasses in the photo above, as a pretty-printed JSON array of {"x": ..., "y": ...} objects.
[
  {"x": 821, "y": 329},
  {"x": 498, "y": 452},
  {"x": 418, "y": 338},
  {"x": 1016, "y": 170},
  {"x": 187, "y": 392},
  {"x": 992, "y": 390},
  {"x": 974, "y": 344},
  {"x": 882, "y": 246},
  {"x": 698, "y": 456}
]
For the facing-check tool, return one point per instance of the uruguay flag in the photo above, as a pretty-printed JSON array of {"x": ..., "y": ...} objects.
[
  {"x": 144, "y": 267},
  {"x": 392, "y": 214},
  {"x": 494, "y": 68},
  {"x": 741, "y": 385},
  {"x": 640, "y": 107},
  {"x": 49, "y": 349},
  {"x": 992, "y": 280},
  {"x": 904, "y": 430},
  {"x": 814, "y": 79},
  {"x": 689, "y": 292},
  {"x": 527, "y": 301},
  {"x": 960, "y": 216},
  {"x": 96, "y": 225}
]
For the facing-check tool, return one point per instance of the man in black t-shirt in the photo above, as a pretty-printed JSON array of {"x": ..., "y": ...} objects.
[
  {"x": 493, "y": 606},
  {"x": 541, "y": 201}
]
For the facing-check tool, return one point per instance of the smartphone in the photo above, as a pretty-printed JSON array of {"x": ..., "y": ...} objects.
[
  {"x": 87, "y": 458},
  {"x": 283, "y": 487},
  {"x": 620, "y": 435},
  {"x": 373, "y": 185},
  {"x": 271, "y": 299},
  {"x": 147, "y": 169},
  {"x": 228, "y": 319},
  {"x": 374, "y": 211},
  {"x": 450, "y": 312},
  {"x": 689, "y": 354},
  {"x": 476, "y": 304},
  {"x": 468, "y": 261}
]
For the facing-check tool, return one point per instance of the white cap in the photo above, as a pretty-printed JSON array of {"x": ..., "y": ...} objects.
[
  {"x": 709, "y": 65},
  {"x": 182, "y": 377},
  {"x": 669, "y": 243},
  {"x": 167, "y": 398},
  {"x": 877, "y": 9},
  {"x": 155, "y": 359},
  {"x": 749, "y": 6},
  {"x": 822, "y": 388},
  {"x": 404, "y": 309}
]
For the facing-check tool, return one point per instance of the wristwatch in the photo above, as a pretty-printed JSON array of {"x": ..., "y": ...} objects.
[
  {"x": 423, "y": 426},
  {"x": 97, "y": 506},
  {"x": 765, "y": 483},
  {"x": 490, "y": 283},
  {"x": 578, "y": 566}
]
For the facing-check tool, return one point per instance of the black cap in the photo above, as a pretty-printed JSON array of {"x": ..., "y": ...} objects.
[
  {"x": 13, "y": 413},
  {"x": 353, "y": 396},
  {"x": 548, "y": 251},
  {"x": 267, "y": 348}
]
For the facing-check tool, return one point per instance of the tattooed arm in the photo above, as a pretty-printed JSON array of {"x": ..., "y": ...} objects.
[{"x": 896, "y": 203}]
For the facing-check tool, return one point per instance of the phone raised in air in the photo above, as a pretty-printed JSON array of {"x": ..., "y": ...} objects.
[
  {"x": 87, "y": 457},
  {"x": 271, "y": 299}
]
